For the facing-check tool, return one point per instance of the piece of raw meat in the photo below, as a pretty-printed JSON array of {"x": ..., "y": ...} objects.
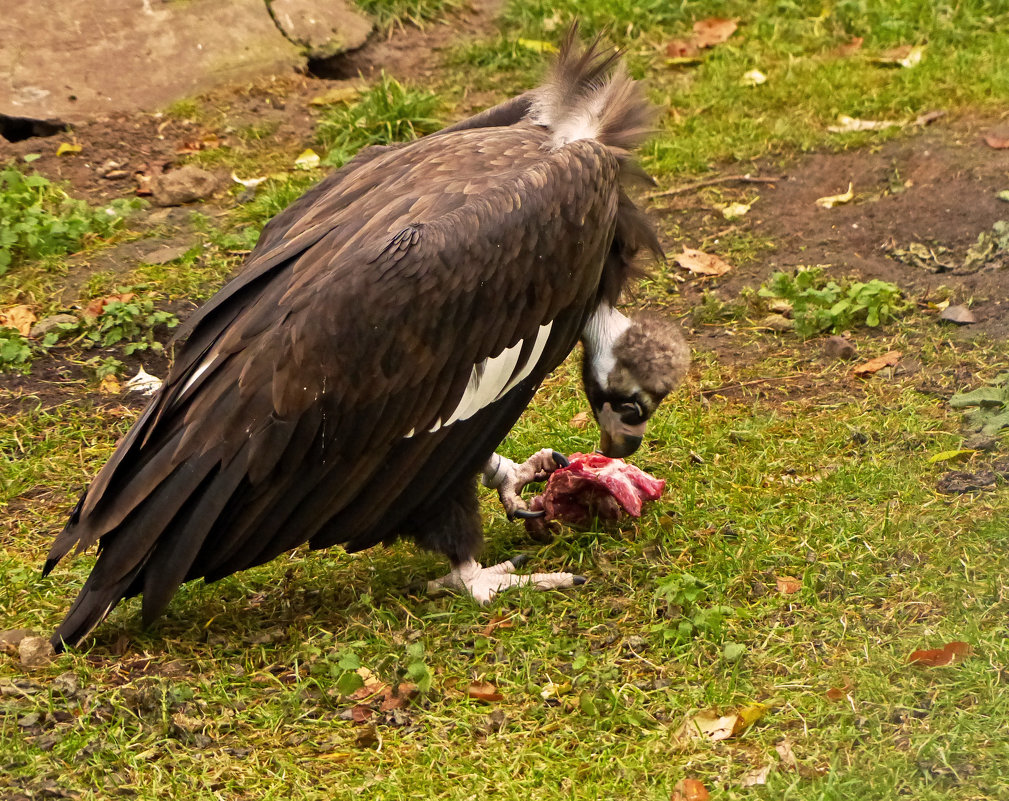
[{"x": 594, "y": 485}]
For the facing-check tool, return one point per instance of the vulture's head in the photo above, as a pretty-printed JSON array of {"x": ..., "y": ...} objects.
[{"x": 630, "y": 365}]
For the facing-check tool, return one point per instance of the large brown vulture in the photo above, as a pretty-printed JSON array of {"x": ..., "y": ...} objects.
[{"x": 384, "y": 336}]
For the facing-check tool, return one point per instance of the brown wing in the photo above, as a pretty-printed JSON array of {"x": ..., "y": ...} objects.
[{"x": 315, "y": 392}]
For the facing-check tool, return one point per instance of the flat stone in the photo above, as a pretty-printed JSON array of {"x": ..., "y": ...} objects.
[
  {"x": 47, "y": 324},
  {"x": 837, "y": 347},
  {"x": 324, "y": 29},
  {"x": 165, "y": 254},
  {"x": 776, "y": 322},
  {"x": 184, "y": 185},
  {"x": 11, "y": 639},
  {"x": 128, "y": 55},
  {"x": 36, "y": 652}
]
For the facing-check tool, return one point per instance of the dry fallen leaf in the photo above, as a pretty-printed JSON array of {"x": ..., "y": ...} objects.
[
  {"x": 361, "y": 713},
  {"x": 701, "y": 263},
  {"x": 848, "y": 124},
  {"x": 713, "y": 31},
  {"x": 66, "y": 147},
  {"x": 788, "y": 584},
  {"x": 483, "y": 691},
  {"x": 839, "y": 693},
  {"x": 339, "y": 94},
  {"x": 850, "y": 48},
  {"x": 497, "y": 622},
  {"x": 903, "y": 56},
  {"x": 996, "y": 142},
  {"x": 786, "y": 755},
  {"x": 580, "y": 420},
  {"x": 830, "y": 201},
  {"x": 951, "y": 652},
  {"x": 689, "y": 790},
  {"x": 97, "y": 306},
  {"x": 21, "y": 318},
  {"x": 733, "y": 211},
  {"x": 682, "y": 50},
  {"x": 398, "y": 698},
  {"x": 109, "y": 385},
  {"x": 873, "y": 366},
  {"x": 753, "y": 78},
  {"x": 756, "y": 776},
  {"x": 537, "y": 45},
  {"x": 308, "y": 160}
]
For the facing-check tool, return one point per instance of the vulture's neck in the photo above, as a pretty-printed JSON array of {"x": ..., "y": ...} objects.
[{"x": 601, "y": 332}]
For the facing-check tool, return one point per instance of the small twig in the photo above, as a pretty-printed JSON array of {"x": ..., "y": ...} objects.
[
  {"x": 741, "y": 384},
  {"x": 724, "y": 179}
]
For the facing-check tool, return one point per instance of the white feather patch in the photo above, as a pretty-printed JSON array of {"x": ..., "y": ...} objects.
[
  {"x": 493, "y": 378},
  {"x": 603, "y": 329},
  {"x": 196, "y": 375}
]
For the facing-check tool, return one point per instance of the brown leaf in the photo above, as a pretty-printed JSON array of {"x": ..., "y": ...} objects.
[
  {"x": 951, "y": 652},
  {"x": 702, "y": 263},
  {"x": 497, "y": 622},
  {"x": 788, "y": 584},
  {"x": 689, "y": 790},
  {"x": 996, "y": 142},
  {"x": 873, "y": 366},
  {"x": 713, "y": 31},
  {"x": 839, "y": 693},
  {"x": 397, "y": 700},
  {"x": 19, "y": 317},
  {"x": 681, "y": 48},
  {"x": 849, "y": 48},
  {"x": 786, "y": 755},
  {"x": 97, "y": 306},
  {"x": 580, "y": 420},
  {"x": 483, "y": 691},
  {"x": 756, "y": 776},
  {"x": 361, "y": 713}
]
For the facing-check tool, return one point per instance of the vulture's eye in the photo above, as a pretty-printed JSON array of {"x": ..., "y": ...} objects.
[{"x": 631, "y": 408}]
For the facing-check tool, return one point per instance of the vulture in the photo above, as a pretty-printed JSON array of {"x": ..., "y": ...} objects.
[{"x": 388, "y": 329}]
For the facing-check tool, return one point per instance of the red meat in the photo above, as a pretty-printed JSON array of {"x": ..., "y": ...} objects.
[{"x": 593, "y": 485}]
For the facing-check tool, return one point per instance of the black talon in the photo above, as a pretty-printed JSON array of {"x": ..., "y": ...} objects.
[
  {"x": 578, "y": 580},
  {"x": 525, "y": 514},
  {"x": 519, "y": 559},
  {"x": 561, "y": 459}
]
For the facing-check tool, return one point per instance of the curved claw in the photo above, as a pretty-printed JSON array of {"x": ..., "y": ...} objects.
[
  {"x": 526, "y": 514},
  {"x": 519, "y": 559},
  {"x": 560, "y": 458}
]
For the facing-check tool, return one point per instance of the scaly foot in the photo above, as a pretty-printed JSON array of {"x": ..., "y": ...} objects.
[
  {"x": 509, "y": 479},
  {"x": 483, "y": 583}
]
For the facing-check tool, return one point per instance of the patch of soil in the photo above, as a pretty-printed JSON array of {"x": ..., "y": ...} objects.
[{"x": 938, "y": 187}]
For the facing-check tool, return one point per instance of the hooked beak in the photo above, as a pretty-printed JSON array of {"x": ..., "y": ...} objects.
[{"x": 617, "y": 439}]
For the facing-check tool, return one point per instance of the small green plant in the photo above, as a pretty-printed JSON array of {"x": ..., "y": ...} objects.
[
  {"x": 686, "y": 604},
  {"x": 388, "y": 112},
  {"x": 819, "y": 304},
  {"x": 417, "y": 670},
  {"x": 40, "y": 219},
  {"x": 132, "y": 320},
  {"x": 15, "y": 352}
]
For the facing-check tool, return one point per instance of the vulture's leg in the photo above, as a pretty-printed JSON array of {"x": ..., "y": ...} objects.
[
  {"x": 453, "y": 528},
  {"x": 509, "y": 478}
]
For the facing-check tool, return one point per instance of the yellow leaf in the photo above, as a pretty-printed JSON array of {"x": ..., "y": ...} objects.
[
  {"x": 339, "y": 94},
  {"x": 19, "y": 317},
  {"x": 109, "y": 385},
  {"x": 66, "y": 147},
  {"x": 736, "y": 210},
  {"x": 946, "y": 456},
  {"x": 536, "y": 45},
  {"x": 747, "y": 716},
  {"x": 830, "y": 201},
  {"x": 701, "y": 263},
  {"x": 308, "y": 160}
]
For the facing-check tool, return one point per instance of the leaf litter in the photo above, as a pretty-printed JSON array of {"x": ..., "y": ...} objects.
[{"x": 950, "y": 653}]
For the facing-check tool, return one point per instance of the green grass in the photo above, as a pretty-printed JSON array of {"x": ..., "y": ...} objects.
[
  {"x": 397, "y": 13},
  {"x": 778, "y": 464},
  {"x": 387, "y": 112}
]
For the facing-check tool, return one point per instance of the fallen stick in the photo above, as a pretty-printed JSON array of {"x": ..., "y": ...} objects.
[{"x": 725, "y": 179}]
